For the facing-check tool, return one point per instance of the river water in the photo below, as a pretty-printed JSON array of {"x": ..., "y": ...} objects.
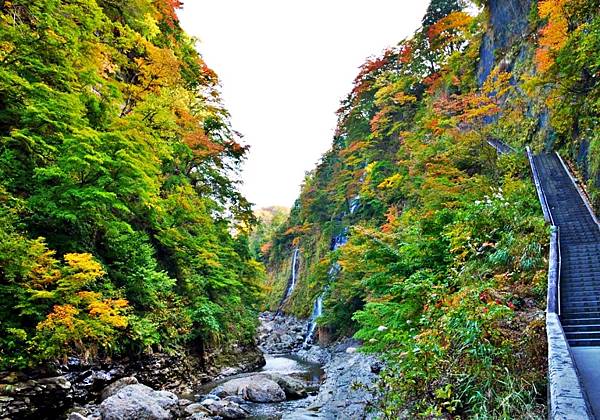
[{"x": 283, "y": 364}]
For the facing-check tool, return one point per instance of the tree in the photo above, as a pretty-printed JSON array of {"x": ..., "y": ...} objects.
[{"x": 439, "y": 9}]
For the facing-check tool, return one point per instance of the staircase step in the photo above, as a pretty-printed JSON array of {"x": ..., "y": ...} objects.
[
  {"x": 583, "y": 335},
  {"x": 580, "y": 342},
  {"x": 580, "y": 293},
  {"x": 581, "y": 328},
  {"x": 567, "y": 321},
  {"x": 578, "y": 313}
]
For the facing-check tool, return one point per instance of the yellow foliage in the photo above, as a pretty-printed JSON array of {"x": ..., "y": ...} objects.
[
  {"x": 43, "y": 269},
  {"x": 82, "y": 270},
  {"x": 110, "y": 311},
  {"x": 61, "y": 315}
]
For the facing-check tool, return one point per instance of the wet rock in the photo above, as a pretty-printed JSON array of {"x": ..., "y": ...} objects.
[
  {"x": 315, "y": 354},
  {"x": 139, "y": 402},
  {"x": 281, "y": 333},
  {"x": 76, "y": 416},
  {"x": 235, "y": 399},
  {"x": 20, "y": 398},
  {"x": 116, "y": 386},
  {"x": 347, "y": 389},
  {"x": 255, "y": 388},
  {"x": 225, "y": 409},
  {"x": 197, "y": 416}
]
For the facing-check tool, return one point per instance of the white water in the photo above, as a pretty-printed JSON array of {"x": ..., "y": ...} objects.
[
  {"x": 335, "y": 268},
  {"x": 354, "y": 203},
  {"x": 292, "y": 284},
  {"x": 312, "y": 322}
]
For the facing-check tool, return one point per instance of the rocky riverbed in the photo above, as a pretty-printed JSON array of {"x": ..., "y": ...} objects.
[{"x": 296, "y": 381}]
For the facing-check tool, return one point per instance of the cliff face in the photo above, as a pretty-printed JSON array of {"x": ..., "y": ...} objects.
[{"x": 508, "y": 25}]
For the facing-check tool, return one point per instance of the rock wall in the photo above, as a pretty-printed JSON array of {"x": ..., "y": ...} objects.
[{"x": 508, "y": 24}]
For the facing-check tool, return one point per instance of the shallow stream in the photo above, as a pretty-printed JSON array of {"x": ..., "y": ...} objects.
[{"x": 283, "y": 364}]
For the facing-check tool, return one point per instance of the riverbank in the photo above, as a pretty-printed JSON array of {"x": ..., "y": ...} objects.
[
  {"x": 49, "y": 393},
  {"x": 286, "y": 379}
]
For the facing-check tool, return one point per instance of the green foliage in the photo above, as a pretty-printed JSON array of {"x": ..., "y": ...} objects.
[
  {"x": 270, "y": 220},
  {"x": 444, "y": 271},
  {"x": 114, "y": 146}
]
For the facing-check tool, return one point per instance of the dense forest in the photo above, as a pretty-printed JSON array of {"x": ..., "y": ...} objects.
[
  {"x": 444, "y": 269},
  {"x": 122, "y": 230}
]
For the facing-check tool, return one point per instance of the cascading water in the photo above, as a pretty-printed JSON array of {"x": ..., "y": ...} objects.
[
  {"x": 312, "y": 322},
  {"x": 294, "y": 276},
  {"x": 292, "y": 281},
  {"x": 335, "y": 268},
  {"x": 340, "y": 239},
  {"x": 354, "y": 203}
]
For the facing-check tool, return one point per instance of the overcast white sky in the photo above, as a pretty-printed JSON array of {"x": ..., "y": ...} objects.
[{"x": 284, "y": 66}]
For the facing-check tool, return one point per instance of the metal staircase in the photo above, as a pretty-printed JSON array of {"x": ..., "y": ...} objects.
[{"x": 575, "y": 271}]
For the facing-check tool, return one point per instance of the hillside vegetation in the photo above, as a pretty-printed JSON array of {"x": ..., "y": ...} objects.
[
  {"x": 444, "y": 272},
  {"x": 118, "y": 191}
]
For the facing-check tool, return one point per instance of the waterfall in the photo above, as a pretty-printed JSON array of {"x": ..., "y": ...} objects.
[
  {"x": 354, "y": 203},
  {"x": 312, "y": 322},
  {"x": 338, "y": 241},
  {"x": 294, "y": 276},
  {"x": 291, "y": 282}
]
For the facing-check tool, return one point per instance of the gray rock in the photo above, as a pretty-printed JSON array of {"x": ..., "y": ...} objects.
[
  {"x": 139, "y": 401},
  {"x": 196, "y": 408},
  {"x": 225, "y": 409},
  {"x": 348, "y": 388},
  {"x": 256, "y": 388},
  {"x": 293, "y": 388},
  {"x": 76, "y": 416},
  {"x": 116, "y": 386},
  {"x": 198, "y": 416},
  {"x": 235, "y": 399}
]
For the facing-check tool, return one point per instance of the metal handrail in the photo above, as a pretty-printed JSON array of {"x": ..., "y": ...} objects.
[
  {"x": 567, "y": 398},
  {"x": 540, "y": 191}
]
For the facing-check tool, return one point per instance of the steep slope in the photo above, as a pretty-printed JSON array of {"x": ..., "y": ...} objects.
[
  {"x": 117, "y": 186},
  {"x": 441, "y": 267}
]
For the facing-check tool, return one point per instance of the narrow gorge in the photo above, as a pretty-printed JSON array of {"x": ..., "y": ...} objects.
[{"x": 425, "y": 270}]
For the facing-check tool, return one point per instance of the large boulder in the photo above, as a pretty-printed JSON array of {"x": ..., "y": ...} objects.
[
  {"x": 256, "y": 388},
  {"x": 293, "y": 388},
  {"x": 141, "y": 402},
  {"x": 116, "y": 386}
]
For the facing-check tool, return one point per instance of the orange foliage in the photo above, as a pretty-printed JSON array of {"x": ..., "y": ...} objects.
[
  {"x": 194, "y": 136},
  {"x": 166, "y": 11},
  {"x": 433, "y": 82},
  {"x": 406, "y": 53},
  {"x": 391, "y": 216},
  {"x": 362, "y": 82},
  {"x": 61, "y": 315},
  {"x": 448, "y": 30},
  {"x": 266, "y": 248},
  {"x": 553, "y": 36},
  {"x": 380, "y": 119}
]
